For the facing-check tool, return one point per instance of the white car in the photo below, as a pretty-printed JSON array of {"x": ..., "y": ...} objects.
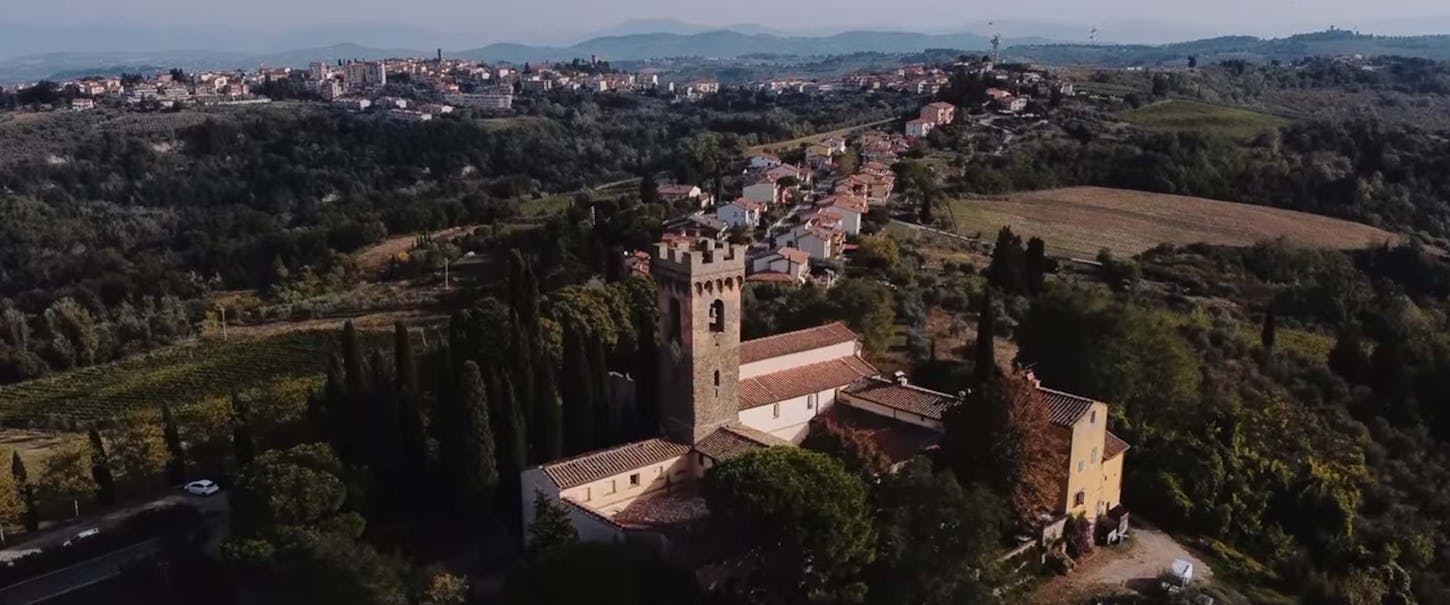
[
  {"x": 82, "y": 535},
  {"x": 203, "y": 487}
]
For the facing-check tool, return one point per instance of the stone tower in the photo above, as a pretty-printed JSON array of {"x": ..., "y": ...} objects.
[{"x": 699, "y": 359}]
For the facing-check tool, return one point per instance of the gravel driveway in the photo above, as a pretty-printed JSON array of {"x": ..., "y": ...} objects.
[{"x": 1146, "y": 555}]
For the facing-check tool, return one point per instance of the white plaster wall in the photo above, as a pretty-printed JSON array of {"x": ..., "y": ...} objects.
[
  {"x": 593, "y": 529},
  {"x": 612, "y": 494},
  {"x": 795, "y": 360},
  {"x": 533, "y": 481},
  {"x": 795, "y": 416}
]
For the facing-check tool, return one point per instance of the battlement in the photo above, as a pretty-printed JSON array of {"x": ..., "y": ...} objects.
[{"x": 704, "y": 257}]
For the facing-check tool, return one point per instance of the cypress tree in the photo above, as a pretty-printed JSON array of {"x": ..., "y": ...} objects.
[
  {"x": 1034, "y": 266},
  {"x": 243, "y": 448},
  {"x": 548, "y": 413},
  {"x": 1006, "y": 268},
  {"x": 578, "y": 391},
  {"x": 446, "y": 416},
  {"x": 175, "y": 454},
  {"x": 986, "y": 358},
  {"x": 478, "y": 471},
  {"x": 413, "y": 441},
  {"x": 101, "y": 470},
  {"x": 31, "y": 517},
  {"x": 352, "y": 360},
  {"x": 510, "y": 439},
  {"x": 1270, "y": 330},
  {"x": 521, "y": 371},
  {"x": 646, "y": 398},
  {"x": 382, "y": 434},
  {"x": 341, "y": 415},
  {"x": 551, "y": 529},
  {"x": 604, "y": 434},
  {"x": 1347, "y": 358}
]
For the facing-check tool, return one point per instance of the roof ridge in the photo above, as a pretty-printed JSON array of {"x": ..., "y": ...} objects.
[{"x": 606, "y": 450}]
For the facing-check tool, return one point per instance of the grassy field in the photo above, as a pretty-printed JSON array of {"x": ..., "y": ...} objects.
[
  {"x": 1189, "y": 115},
  {"x": 179, "y": 375},
  {"x": 1078, "y": 222}
]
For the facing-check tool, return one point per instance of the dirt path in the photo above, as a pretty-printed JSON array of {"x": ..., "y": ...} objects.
[
  {"x": 820, "y": 136},
  {"x": 1146, "y": 555},
  {"x": 374, "y": 259}
]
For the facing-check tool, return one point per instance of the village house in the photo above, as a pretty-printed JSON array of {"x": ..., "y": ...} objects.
[
  {"x": 820, "y": 157},
  {"x": 782, "y": 265},
  {"x": 849, "y": 208},
  {"x": 939, "y": 113},
  {"x": 763, "y": 161},
  {"x": 698, "y": 225},
  {"x": 784, "y": 171},
  {"x": 741, "y": 213},
  {"x": 672, "y": 193},
  {"x": 721, "y": 397},
  {"x": 919, "y": 128},
  {"x": 764, "y": 190},
  {"x": 874, "y": 188}
]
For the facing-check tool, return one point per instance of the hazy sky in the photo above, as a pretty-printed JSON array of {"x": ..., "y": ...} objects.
[{"x": 555, "y": 21}]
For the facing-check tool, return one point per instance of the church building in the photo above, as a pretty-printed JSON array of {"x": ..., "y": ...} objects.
[{"x": 720, "y": 397}]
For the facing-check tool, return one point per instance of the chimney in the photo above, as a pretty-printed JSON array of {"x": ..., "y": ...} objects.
[
  {"x": 1033, "y": 377},
  {"x": 900, "y": 377}
]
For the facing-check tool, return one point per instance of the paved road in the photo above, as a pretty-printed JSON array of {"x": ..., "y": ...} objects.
[
  {"x": 86, "y": 573},
  {"x": 78, "y": 576}
]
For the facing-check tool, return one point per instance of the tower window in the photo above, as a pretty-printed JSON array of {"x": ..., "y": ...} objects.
[
  {"x": 717, "y": 383},
  {"x": 717, "y": 316},
  {"x": 1079, "y": 498}
]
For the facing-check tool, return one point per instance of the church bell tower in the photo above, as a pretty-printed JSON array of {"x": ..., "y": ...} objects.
[{"x": 699, "y": 331}]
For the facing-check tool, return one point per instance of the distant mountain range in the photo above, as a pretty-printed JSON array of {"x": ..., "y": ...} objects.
[{"x": 725, "y": 44}]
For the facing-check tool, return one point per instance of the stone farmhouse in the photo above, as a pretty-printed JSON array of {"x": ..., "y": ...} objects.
[{"x": 720, "y": 397}]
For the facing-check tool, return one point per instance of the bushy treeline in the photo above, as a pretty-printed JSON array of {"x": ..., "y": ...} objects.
[{"x": 1395, "y": 177}]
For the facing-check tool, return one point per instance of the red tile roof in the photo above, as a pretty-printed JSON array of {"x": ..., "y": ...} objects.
[
  {"x": 795, "y": 255},
  {"x": 907, "y": 398},
  {"x": 597, "y": 465},
  {"x": 1112, "y": 446},
  {"x": 795, "y": 342},
  {"x": 804, "y": 380},
  {"x": 1065, "y": 409},
  {"x": 731, "y": 441}
]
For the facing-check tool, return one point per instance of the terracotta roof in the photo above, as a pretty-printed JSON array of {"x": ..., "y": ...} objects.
[
  {"x": 1065, "y": 409},
  {"x": 850, "y": 202},
  {"x": 597, "y": 465},
  {"x": 795, "y": 342},
  {"x": 795, "y": 382},
  {"x": 675, "y": 189},
  {"x": 749, "y": 204},
  {"x": 907, "y": 398},
  {"x": 1113, "y": 445},
  {"x": 795, "y": 255},
  {"x": 731, "y": 441},
  {"x": 941, "y": 105},
  {"x": 771, "y": 277}
]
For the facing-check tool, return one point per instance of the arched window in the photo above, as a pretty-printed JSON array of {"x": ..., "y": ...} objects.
[
  {"x": 717, "y": 316},
  {"x": 717, "y": 383},
  {"x": 677, "y": 320}
]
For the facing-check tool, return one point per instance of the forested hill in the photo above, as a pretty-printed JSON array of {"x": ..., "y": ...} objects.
[
  {"x": 1258, "y": 50},
  {"x": 725, "y": 44}
]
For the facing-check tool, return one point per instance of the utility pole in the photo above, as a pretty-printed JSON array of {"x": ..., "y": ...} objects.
[
  {"x": 445, "y": 274},
  {"x": 223, "y": 311}
]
